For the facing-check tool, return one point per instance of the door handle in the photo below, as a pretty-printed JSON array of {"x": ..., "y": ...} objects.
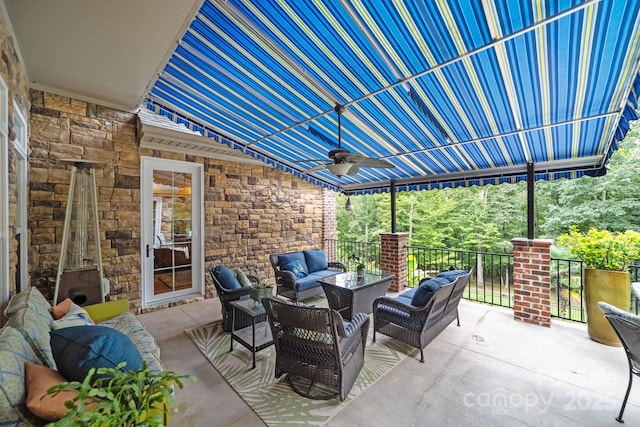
[{"x": 147, "y": 251}]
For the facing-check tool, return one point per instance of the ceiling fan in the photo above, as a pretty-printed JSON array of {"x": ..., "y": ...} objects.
[{"x": 343, "y": 162}]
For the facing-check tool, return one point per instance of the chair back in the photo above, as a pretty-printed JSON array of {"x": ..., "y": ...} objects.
[
  {"x": 303, "y": 334},
  {"x": 459, "y": 285},
  {"x": 221, "y": 289},
  {"x": 628, "y": 330}
]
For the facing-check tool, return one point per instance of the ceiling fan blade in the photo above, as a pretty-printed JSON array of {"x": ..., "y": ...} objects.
[
  {"x": 308, "y": 160},
  {"x": 315, "y": 168},
  {"x": 375, "y": 163}
]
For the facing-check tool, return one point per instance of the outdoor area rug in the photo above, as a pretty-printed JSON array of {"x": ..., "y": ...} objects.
[{"x": 272, "y": 398}]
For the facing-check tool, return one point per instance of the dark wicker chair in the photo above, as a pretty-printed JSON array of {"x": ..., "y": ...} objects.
[
  {"x": 321, "y": 355},
  {"x": 227, "y": 295},
  {"x": 627, "y": 326},
  {"x": 418, "y": 326}
]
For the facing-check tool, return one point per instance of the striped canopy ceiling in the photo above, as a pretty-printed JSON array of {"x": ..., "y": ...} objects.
[{"x": 451, "y": 92}]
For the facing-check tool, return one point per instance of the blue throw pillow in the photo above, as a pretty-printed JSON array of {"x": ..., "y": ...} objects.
[
  {"x": 316, "y": 260},
  {"x": 285, "y": 259},
  {"x": 296, "y": 268},
  {"x": 225, "y": 276},
  {"x": 425, "y": 290},
  {"x": 80, "y": 348}
]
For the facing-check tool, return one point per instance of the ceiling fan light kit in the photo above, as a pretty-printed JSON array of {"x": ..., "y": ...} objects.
[{"x": 339, "y": 169}]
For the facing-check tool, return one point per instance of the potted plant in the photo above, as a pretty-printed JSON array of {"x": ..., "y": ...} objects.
[
  {"x": 260, "y": 291},
  {"x": 360, "y": 269},
  {"x": 606, "y": 257},
  {"x": 120, "y": 398}
]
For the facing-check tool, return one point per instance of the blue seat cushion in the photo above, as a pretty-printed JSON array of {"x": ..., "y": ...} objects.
[
  {"x": 284, "y": 259},
  {"x": 452, "y": 274},
  {"x": 324, "y": 273},
  {"x": 316, "y": 260},
  {"x": 296, "y": 268},
  {"x": 409, "y": 293},
  {"x": 405, "y": 299},
  {"x": 308, "y": 282},
  {"x": 225, "y": 276},
  {"x": 79, "y": 348},
  {"x": 425, "y": 290}
]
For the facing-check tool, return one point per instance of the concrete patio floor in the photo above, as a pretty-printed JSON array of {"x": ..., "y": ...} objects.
[{"x": 491, "y": 371}]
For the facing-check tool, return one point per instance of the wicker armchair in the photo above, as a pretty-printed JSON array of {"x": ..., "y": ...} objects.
[
  {"x": 321, "y": 355},
  {"x": 418, "y": 326},
  {"x": 228, "y": 292},
  {"x": 627, "y": 326}
]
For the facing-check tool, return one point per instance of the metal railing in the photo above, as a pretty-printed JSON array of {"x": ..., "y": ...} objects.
[
  {"x": 351, "y": 252},
  {"x": 490, "y": 281},
  {"x": 567, "y": 299},
  {"x": 492, "y": 278}
]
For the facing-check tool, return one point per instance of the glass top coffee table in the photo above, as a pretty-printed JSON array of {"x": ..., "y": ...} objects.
[
  {"x": 255, "y": 337},
  {"x": 349, "y": 294}
]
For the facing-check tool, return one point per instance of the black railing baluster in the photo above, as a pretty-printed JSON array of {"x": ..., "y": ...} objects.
[{"x": 496, "y": 274}]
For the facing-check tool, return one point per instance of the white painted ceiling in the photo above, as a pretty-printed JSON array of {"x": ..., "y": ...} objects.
[{"x": 101, "y": 51}]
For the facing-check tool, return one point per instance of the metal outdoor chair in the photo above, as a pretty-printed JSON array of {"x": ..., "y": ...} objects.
[
  {"x": 321, "y": 354},
  {"x": 627, "y": 327}
]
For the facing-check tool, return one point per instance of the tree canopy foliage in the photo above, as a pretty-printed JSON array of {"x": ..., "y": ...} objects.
[{"x": 487, "y": 218}]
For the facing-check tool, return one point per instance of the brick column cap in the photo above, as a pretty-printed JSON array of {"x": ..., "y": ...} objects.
[
  {"x": 522, "y": 241},
  {"x": 394, "y": 234}
]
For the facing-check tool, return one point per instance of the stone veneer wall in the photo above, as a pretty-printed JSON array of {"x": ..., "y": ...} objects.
[
  {"x": 14, "y": 77},
  {"x": 250, "y": 211}
]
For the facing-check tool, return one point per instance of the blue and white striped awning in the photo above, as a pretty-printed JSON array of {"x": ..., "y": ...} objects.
[{"x": 451, "y": 92}]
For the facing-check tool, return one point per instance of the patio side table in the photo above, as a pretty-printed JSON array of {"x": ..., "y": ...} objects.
[{"x": 255, "y": 337}]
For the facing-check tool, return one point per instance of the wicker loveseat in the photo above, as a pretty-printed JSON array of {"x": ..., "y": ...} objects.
[
  {"x": 297, "y": 273},
  {"x": 418, "y": 315}
]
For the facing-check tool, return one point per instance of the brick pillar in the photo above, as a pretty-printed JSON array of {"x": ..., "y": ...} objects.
[
  {"x": 394, "y": 258},
  {"x": 328, "y": 219},
  {"x": 532, "y": 281}
]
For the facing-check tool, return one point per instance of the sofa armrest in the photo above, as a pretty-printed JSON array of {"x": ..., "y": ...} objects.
[
  {"x": 337, "y": 265},
  {"x": 106, "y": 310},
  {"x": 286, "y": 278},
  {"x": 413, "y": 313}
]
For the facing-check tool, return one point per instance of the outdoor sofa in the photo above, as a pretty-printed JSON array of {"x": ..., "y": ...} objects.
[
  {"x": 26, "y": 338},
  {"x": 418, "y": 315},
  {"x": 297, "y": 273}
]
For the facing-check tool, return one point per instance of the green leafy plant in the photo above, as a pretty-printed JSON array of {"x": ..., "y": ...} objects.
[
  {"x": 602, "y": 249},
  {"x": 120, "y": 398}
]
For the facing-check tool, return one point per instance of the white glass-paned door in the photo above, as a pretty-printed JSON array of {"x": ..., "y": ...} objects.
[{"x": 172, "y": 254}]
